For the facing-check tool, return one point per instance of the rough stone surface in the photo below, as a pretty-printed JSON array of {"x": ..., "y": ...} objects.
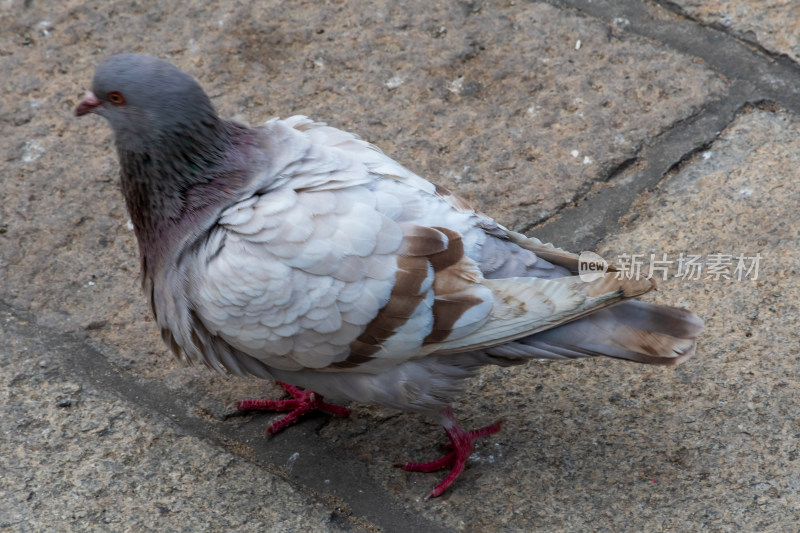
[
  {"x": 497, "y": 100},
  {"x": 730, "y": 429},
  {"x": 773, "y": 24},
  {"x": 79, "y": 459}
]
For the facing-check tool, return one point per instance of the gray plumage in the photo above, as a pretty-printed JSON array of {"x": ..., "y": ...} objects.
[{"x": 296, "y": 251}]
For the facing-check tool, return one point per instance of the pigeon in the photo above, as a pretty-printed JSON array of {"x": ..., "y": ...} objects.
[{"x": 298, "y": 252}]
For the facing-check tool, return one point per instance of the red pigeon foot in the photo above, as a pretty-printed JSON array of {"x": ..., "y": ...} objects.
[
  {"x": 462, "y": 444},
  {"x": 302, "y": 403}
]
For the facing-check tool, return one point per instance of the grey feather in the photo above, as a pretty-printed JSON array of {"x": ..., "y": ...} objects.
[{"x": 273, "y": 251}]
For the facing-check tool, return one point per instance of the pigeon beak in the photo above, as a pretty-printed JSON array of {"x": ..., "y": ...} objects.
[{"x": 87, "y": 105}]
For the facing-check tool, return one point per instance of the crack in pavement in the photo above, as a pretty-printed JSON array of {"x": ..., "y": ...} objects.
[{"x": 755, "y": 77}]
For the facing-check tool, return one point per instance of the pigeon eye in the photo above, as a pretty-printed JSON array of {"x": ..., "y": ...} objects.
[{"x": 116, "y": 98}]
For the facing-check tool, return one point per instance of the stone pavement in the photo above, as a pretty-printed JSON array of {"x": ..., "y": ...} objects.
[{"x": 630, "y": 127}]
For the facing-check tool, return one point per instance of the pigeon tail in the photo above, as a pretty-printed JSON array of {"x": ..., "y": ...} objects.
[{"x": 633, "y": 330}]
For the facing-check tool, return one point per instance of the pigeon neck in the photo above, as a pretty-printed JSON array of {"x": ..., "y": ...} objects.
[{"x": 175, "y": 186}]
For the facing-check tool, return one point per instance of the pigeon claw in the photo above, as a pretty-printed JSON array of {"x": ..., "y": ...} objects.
[
  {"x": 302, "y": 403},
  {"x": 462, "y": 444}
]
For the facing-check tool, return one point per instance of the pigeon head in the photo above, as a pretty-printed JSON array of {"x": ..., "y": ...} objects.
[
  {"x": 146, "y": 100},
  {"x": 179, "y": 162}
]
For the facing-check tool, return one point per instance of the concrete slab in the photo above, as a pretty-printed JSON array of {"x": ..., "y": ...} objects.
[
  {"x": 729, "y": 424},
  {"x": 77, "y": 458}
]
